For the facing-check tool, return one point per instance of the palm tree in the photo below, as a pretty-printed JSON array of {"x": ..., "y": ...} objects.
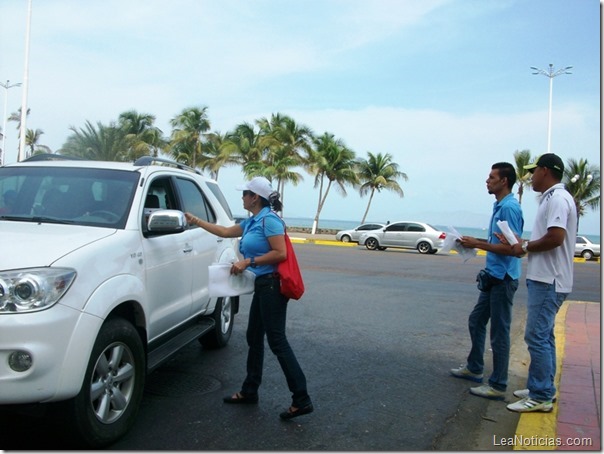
[
  {"x": 103, "y": 143},
  {"x": 16, "y": 117},
  {"x": 582, "y": 180},
  {"x": 279, "y": 167},
  {"x": 31, "y": 140},
  {"x": 188, "y": 134},
  {"x": 523, "y": 176},
  {"x": 334, "y": 162},
  {"x": 247, "y": 145},
  {"x": 220, "y": 151},
  {"x": 286, "y": 142},
  {"x": 250, "y": 149},
  {"x": 142, "y": 136},
  {"x": 377, "y": 173}
]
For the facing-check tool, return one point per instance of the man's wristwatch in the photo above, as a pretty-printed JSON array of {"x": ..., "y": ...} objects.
[
  {"x": 253, "y": 262},
  {"x": 525, "y": 246}
]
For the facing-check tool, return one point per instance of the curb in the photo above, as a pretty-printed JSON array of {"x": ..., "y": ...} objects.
[
  {"x": 322, "y": 242},
  {"x": 543, "y": 425}
]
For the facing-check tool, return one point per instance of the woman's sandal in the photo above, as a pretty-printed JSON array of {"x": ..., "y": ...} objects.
[
  {"x": 293, "y": 412},
  {"x": 239, "y": 398}
]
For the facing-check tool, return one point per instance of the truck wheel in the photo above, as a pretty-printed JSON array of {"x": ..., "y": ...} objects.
[
  {"x": 107, "y": 405},
  {"x": 224, "y": 317}
]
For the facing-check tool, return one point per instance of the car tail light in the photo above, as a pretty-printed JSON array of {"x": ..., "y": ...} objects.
[{"x": 442, "y": 236}]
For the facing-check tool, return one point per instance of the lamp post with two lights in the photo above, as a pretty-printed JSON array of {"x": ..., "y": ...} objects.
[{"x": 551, "y": 74}]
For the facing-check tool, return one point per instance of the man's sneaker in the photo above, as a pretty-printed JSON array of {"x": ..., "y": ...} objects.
[
  {"x": 527, "y": 404},
  {"x": 488, "y": 391},
  {"x": 524, "y": 393},
  {"x": 521, "y": 393},
  {"x": 463, "y": 372}
]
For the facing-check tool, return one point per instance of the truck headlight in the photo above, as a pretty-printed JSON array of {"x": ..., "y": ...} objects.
[{"x": 33, "y": 289}]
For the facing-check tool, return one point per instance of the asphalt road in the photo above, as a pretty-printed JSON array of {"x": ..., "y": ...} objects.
[{"x": 376, "y": 333}]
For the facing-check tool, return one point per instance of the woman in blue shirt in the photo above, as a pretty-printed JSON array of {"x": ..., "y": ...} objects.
[{"x": 263, "y": 248}]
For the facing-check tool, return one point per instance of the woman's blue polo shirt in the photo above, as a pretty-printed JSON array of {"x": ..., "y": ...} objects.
[{"x": 254, "y": 241}]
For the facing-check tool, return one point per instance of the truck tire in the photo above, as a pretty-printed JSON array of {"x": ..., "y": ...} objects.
[
  {"x": 223, "y": 317},
  {"x": 107, "y": 405}
]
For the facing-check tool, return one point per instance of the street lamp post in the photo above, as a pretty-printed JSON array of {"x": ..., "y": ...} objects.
[
  {"x": 23, "y": 131},
  {"x": 6, "y": 86},
  {"x": 551, "y": 74}
]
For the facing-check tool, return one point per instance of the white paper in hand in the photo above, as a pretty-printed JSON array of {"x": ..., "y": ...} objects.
[
  {"x": 507, "y": 232},
  {"x": 451, "y": 244},
  {"x": 223, "y": 283}
]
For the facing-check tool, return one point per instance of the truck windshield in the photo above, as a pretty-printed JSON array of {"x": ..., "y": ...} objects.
[{"x": 67, "y": 195}]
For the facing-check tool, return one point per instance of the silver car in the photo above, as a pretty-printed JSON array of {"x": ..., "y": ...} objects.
[
  {"x": 586, "y": 249},
  {"x": 346, "y": 236},
  {"x": 405, "y": 234}
]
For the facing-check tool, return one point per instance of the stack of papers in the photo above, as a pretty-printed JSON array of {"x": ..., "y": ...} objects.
[
  {"x": 223, "y": 283},
  {"x": 507, "y": 232}
]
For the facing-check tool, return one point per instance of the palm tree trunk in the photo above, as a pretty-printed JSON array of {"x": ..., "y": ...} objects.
[
  {"x": 315, "y": 223},
  {"x": 282, "y": 197},
  {"x": 368, "y": 205},
  {"x": 316, "y": 219}
]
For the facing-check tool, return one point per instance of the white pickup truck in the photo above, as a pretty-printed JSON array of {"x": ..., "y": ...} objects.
[{"x": 101, "y": 280}]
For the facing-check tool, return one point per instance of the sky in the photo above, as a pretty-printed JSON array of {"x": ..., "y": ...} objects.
[{"x": 444, "y": 86}]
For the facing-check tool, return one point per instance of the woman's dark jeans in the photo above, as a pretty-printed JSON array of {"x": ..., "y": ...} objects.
[{"x": 267, "y": 316}]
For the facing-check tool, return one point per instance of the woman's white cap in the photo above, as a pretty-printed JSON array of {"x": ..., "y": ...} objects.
[{"x": 258, "y": 185}]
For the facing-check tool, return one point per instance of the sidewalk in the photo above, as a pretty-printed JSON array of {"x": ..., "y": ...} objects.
[{"x": 575, "y": 423}]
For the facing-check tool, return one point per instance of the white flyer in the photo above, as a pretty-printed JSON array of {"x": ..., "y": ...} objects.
[
  {"x": 507, "y": 232},
  {"x": 451, "y": 244},
  {"x": 223, "y": 283}
]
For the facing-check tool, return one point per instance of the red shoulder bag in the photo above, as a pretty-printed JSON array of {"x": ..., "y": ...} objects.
[{"x": 292, "y": 285}]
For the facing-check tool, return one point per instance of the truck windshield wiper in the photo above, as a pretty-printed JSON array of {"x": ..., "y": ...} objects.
[{"x": 38, "y": 219}]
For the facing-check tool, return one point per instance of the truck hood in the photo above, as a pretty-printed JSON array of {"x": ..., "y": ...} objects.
[{"x": 29, "y": 244}]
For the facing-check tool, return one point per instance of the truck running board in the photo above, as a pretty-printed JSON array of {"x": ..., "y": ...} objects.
[{"x": 166, "y": 349}]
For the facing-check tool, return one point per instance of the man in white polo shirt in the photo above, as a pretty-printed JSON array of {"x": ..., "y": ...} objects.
[{"x": 549, "y": 279}]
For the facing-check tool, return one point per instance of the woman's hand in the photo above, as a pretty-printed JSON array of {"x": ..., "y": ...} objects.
[
  {"x": 239, "y": 267},
  {"x": 233, "y": 231},
  {"x": 190, "y": 218}
]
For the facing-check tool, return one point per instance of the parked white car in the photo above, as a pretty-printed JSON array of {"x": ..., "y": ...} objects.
[
  {"x": 349, "y": 235},
  {"x": 405, "y": 234},
  {"x": 101, "y": 280},
  {"x": 586, "y": 249}
]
